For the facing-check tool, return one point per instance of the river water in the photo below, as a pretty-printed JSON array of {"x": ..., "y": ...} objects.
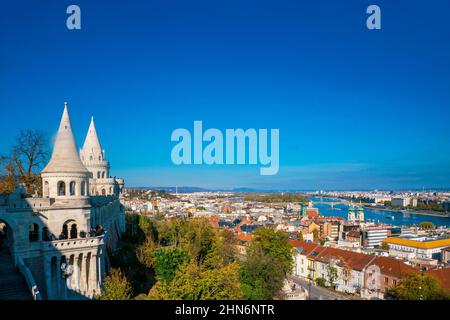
[{"x": 400, "y": 219}]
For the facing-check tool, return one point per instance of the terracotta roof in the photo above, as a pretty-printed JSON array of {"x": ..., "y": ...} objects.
[
  {"x": 392, "y": 267},
  {"x": 303, "y": 247},
  {"x": 443, "y": 276},
  {"x": 355, "y": 260},
  {"x": 244, "y": 237},
  {"x": 419, "y": 244}
]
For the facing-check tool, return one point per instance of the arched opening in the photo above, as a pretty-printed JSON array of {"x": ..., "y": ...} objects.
[
  {"x": 98, "y": 175},
  {"x": 54, "y": 277},
  {"x": 73, "y": 231},
  {"x": 65, "y": 233},
  {"x": 45, "y": 234},
  {"x": 61, "y": 188},
  {"x": 83, "y": 188},
  {"x": 33, "y": 232},
  {"x": 103, "y": 192},
  {"x": 103, "y": 175},
  {"x": 72, "y": 188},
  {"x": 6, "y": 236},
  {"x": 110, "y": 190},
  {"x": 46, "y": 189}
]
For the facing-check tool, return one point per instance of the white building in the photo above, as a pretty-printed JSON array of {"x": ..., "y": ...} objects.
[
  {"x": 414, "y": 248},
  {"x": 51, "y": 239}
]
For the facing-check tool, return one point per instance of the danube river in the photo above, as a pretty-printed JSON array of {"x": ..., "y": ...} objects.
[{"x": 341, "y": 210}]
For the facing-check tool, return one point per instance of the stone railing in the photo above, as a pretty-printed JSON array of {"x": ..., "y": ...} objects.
[
  {"x": 32, "y": 286},
  {"x": 72, "y": 243}
]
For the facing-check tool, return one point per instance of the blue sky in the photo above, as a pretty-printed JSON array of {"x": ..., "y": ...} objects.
[{"x": 355, "y": 108}]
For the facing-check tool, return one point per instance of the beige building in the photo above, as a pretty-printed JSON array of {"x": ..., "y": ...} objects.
[{"x": 58, "y": 242}]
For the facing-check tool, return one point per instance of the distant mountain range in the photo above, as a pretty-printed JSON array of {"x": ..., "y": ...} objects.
[{"x": 190, "y": 189}]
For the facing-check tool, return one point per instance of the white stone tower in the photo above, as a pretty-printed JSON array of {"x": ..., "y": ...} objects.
[
  {"x": 93, "y": 157},
  {"x": 65, "y": 177}
]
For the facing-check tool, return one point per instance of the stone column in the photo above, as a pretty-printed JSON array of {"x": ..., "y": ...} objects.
[
  {"x": 48, "y": 277},
  {"x": 74, "y": 283},
  {"x": 93, "y": 275},
  {"x": 84, "y": 278}
]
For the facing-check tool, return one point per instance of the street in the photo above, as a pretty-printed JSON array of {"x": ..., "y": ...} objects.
[{"x": 317, "y": 293}]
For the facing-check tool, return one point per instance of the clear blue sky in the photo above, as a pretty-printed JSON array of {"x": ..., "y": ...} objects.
[{"x": 355, "y": 108}]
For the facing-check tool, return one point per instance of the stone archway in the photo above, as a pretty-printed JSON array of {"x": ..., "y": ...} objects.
[{"x": 6, "y": 235}]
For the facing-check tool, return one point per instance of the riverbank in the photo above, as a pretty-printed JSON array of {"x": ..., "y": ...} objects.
[{"x": 408, "y": 211}]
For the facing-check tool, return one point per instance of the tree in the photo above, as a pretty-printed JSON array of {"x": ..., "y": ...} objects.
[
  {"x": 419, "y": 287},
  {"x": 194, "y": 282},
  {"x": 268, "y": 261},
  {"x": 261, "y": 276},
  {"x": 300, "y": 236},
  {"x": 275, "y": 244},
  {"x": 426, "y": 225},
  {"x": 315, "y": 233},
  {"x": 145, "y": 252},
  {"x": 166, "y": 262},
  {"x": 384, "y": 246},
  {"x": 28, "y": 155},
  {"x": 116, "y": 286},
  {"x": 332, "y": 275}
]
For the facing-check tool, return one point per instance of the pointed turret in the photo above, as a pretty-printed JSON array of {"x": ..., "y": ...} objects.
[
  {"x": 92, "y": 144},
  {"x": 65, "y": 157}
]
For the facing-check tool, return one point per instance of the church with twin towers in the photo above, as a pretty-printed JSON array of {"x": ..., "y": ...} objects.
[{"x": 54, "y": 246}]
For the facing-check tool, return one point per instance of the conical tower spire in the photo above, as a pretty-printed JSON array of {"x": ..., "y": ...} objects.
[
  {"x": 65, "y": 157},
  {"x": 91, "y": 143}
]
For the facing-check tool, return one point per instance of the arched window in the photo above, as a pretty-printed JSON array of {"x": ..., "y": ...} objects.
[
  {"x": 65, "y": 233},
  {"x": 72, "y": 188},
  {"x": 73, "y": 231},
  {"x": 103, "y": 192},
  {"x": 34, "y": 232},
  {"x": 83, "y": 188},
  {"x": 103, "y": 175},
  {"x": 46, "y": 189},
  {"x": 110, "y": 190},
  {"x": 61, "y": 188},
  {"x": 100, "y": 158},
  {"x": 98, "y": 175},
  {"x": 45, "y": 234}
]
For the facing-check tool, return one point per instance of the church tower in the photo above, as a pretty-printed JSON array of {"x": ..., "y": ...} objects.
[
  {"x": 360, "y": 216},
  {"x": 351, "y": 213},
  {"x": 65, "y": 177}
]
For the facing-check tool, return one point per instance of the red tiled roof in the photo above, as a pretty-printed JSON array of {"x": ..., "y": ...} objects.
[
  {"x": 354, "y": 260},
  {"x": 244, "y": 237},
  {"x": 392, "y": 267},
  {"x": 306, "y": 247},
  {"x": 443, "y": 276}
]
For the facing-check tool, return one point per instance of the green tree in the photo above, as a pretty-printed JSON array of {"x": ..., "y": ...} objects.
[
  {"x": 419, "y": 287},
  {"x": 332, "y": 275},
  {"x": 194, "y": 282},
  {"x": 275, "y": 244},
  {"x": 426, "y": 225},
  {"x": 116, "y": 286},
  {"x": 268, "y": 261},
  {"x": 166, "y": 262}
]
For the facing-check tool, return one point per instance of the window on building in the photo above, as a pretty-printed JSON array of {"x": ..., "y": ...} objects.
[
  {"x": 394, "y": 282},
  {"x": 61, "y": 188},
  {"x": 73, "y": 231},
  {"x": 103, "y": 175},
  {"x": 83, "y": 188},
  {"x": 72, "y": 188},
  {"x": 46, "y": 189},
  {"x": 386, "y": 280},
  {"x": 34, "y": 232},
  {"x": 98, "y": 175}
]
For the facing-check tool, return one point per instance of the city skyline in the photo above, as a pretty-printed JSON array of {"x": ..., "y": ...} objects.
[{"x": 356, "y": 109}]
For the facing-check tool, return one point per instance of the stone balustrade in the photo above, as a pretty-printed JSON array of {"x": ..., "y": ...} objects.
[{"x": 69, "y": 244}]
